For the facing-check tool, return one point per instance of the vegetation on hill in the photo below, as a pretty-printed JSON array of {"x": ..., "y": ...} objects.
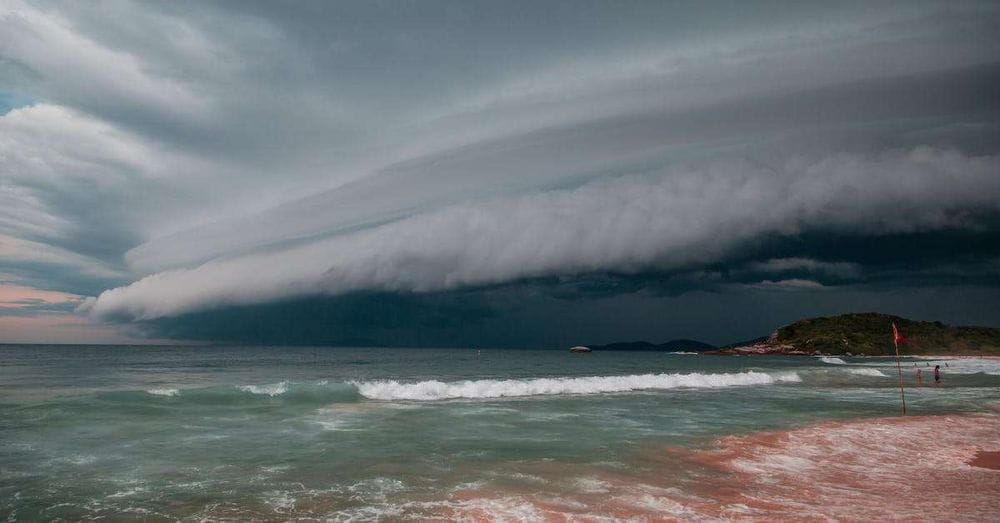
[
  {"x": 871, "y": 334},
  {"x": 868, "y": 333}
]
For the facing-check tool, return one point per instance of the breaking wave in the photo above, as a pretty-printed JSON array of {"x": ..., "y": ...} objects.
[
  {"x": 480, "y": 389},
  {"x": 285, "y": 392},
  {"x": 163, "y": 392},
  {"x": 833, "y": 361},
  {"x": 273, "y": 389},
  {"x": 867, "y": 372},
  {"x": 966, "y": 365},
  {"x": 321, "y": 392}
]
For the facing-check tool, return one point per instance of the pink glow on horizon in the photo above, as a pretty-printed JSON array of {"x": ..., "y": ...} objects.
[
  {"x": 58, "y": 328},
  {"x": 51, "y": 326},
  {"x": 10, "y": 294}
]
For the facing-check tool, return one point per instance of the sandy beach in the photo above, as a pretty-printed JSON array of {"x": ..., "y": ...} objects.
[{"x": 914, "y": 468}]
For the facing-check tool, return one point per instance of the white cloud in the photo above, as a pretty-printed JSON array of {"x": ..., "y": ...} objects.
[
  {"x": 54, "y": 161},
  {"x": 80, "y": 69}
]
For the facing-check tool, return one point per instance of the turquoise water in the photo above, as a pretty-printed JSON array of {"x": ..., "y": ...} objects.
[{"x": 366, "y": 433}]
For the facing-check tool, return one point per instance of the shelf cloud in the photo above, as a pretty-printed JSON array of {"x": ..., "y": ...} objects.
[{"x": 174, "y": 161}]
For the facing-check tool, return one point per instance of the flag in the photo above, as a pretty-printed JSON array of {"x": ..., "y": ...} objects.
[{"x": 898, "y": 338}]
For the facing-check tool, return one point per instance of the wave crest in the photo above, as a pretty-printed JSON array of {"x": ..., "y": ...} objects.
[
  {"x": 163, "y": 392},
  {"x": 867, "y": 372},
  {"x": 273, "y": 389},
  {"x": 834, "y": 361},
  {"x": 483, "y": 389}
]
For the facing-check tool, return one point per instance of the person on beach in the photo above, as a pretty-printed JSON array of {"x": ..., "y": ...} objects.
[
  {"x": 937, "y": 374},
  {"x": 920, "y": 378}
]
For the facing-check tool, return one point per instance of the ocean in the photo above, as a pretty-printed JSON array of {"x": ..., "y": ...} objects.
[{"x": 358, "y": 434}]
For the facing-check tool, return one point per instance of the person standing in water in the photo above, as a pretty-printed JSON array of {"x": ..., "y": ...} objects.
[
  {"x": 920, "y": 378},
  {"x": 937, "y": 374}
]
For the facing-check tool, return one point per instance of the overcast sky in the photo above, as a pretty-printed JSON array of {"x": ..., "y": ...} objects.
[{"x": 493, "y": 173}]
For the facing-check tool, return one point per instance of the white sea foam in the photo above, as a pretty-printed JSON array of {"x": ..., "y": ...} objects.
[
  {"x": 834, "y": 361},
  {"x": 592, "y": 485},
  {"x": 127, "y": 492},
  {"x": 971, "y": 366},
  {"x": 659, "y": 505},
  {"x": 438, "y": 390},
  {"x": 280, "y": 501},
  {"x": 952, "y": 365},
  {"x": 866, "y": 372},
  {"x": 788, "y": 377},
  {"x": 273, "y": 389},
  {"x": 163, "y": 392},
  {"x": 509, "y": 508},
  {"x": 82, "y": 459}
]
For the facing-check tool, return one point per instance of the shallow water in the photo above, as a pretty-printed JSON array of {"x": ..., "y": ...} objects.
[{"x": 276, "y": 433}]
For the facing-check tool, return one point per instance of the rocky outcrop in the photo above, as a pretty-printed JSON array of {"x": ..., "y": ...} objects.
[{"x": 763, "y": 349}]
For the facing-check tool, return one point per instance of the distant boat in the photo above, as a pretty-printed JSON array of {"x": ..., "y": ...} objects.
[{"x": 580, "y": 348}]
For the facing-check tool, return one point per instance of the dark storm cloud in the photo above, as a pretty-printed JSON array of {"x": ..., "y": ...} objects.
[
  {"x": 265, "y": 159},
  {"x": 530, "y": 316}
]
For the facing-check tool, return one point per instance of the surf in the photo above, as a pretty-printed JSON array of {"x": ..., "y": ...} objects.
[{"x": 432, "y": 390}]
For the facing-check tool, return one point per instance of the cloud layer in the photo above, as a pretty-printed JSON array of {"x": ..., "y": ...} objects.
[
  {"x": 176, "y": 159},
  {"x": 627, "y": 224}
]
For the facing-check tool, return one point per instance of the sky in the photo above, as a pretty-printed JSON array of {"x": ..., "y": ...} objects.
[{"x": 493, "y": 174}]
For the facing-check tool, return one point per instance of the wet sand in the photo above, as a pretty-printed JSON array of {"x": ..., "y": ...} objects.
[
  {"x": 913, "y": 468},
  {"x": 986, "y": 459}
]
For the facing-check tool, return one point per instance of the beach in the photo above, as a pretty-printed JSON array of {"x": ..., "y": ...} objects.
[
  {"x": 916, "y": 468},
  {"x": 224, "y": 433}
]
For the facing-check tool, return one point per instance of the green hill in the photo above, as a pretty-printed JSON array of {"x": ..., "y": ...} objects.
[{"x": 871, "y": 333}]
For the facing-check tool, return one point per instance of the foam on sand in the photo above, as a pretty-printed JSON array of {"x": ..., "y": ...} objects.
[
  {"x": 914, "y": 468},
  {"x": 484, "y": 389},
  {"x": 890, "y": 468}
]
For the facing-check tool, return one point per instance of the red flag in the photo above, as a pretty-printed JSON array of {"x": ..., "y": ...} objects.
[{"x": 898, "y": 338}]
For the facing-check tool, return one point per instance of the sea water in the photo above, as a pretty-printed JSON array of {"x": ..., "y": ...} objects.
[{"x": 205, "y": 432}]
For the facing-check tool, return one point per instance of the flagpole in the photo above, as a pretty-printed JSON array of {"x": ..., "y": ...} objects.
[{"x": 899, "y": 368}]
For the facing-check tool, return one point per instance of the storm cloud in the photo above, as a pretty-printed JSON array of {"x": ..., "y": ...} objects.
[{"x": 188, "y": 161}]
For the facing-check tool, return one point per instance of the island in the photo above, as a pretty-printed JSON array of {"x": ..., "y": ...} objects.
[{"x": 870, "y": 334}]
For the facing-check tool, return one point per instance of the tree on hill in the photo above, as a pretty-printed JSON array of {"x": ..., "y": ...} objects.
[{"x": 871, "y": 333}]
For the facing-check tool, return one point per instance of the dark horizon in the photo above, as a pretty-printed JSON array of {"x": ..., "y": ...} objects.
[{"x": 470, "y": 346}]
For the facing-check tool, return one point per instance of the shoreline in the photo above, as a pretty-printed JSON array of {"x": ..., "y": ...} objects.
[
  {"x": 787, "y": 350},
  {"x": 936, "y": 467}
]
